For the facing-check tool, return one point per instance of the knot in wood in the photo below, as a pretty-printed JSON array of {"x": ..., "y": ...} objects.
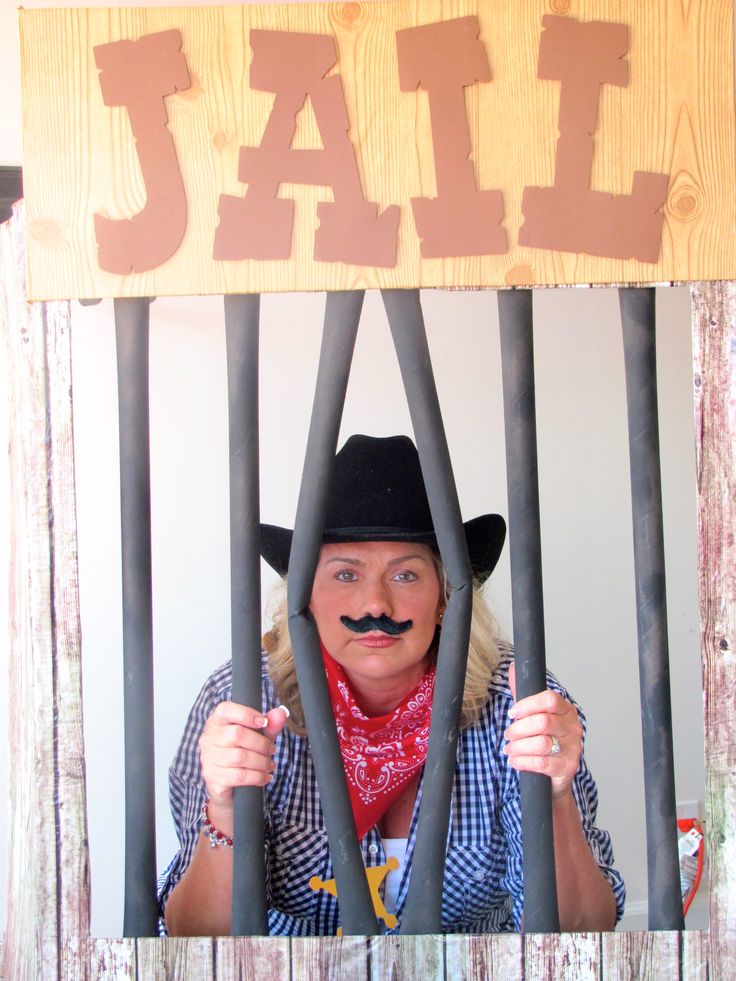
[
  {"x": 350, "y": 14},
  {"x": 685, "y": 205}
]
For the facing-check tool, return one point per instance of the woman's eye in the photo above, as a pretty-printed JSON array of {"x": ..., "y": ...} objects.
[
  {"x": 345, "y": 575},
  {"x": 405, "y": 576}
]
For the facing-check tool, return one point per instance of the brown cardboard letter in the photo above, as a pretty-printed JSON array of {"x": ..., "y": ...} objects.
[
  {"x": 137, "y": 75},
  {"x": 442, "y": 58},
  {"x": 259, "y": 225},
  {"x": 570, "y": 216}
]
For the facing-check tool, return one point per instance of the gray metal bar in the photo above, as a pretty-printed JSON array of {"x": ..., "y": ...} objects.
[
  {"x": 517, "y": 357},
  {"x": 249, "y": 913},
  {"x": 342, "y": 316},
  {"x": 638, "y": 325},
  {"x": 140, "y": 917},
  {"x": 423, "y": 910}
]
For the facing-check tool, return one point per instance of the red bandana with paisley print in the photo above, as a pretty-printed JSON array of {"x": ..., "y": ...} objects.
[{"x": 383, "y": 753}]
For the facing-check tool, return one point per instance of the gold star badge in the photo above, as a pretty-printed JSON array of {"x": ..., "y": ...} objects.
[{"x": 375, "y": 875}]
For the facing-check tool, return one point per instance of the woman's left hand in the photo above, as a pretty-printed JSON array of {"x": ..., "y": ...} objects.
[{"x": 541, "y": 723}]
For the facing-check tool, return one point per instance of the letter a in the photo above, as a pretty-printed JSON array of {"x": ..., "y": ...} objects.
[
  {"x": 443, "y": 58},
  {"x": 259, "y": 225},
  {"x": 137, "y": 75},
  {"x": 570, "y": 216}
]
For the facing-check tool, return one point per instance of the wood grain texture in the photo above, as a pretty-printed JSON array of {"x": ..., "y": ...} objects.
[
  {"x": 111, "y": 960},
  {"x": 631, "y": 955},
  {"x": 395, "y": 957},
  {"x": 714, "y": 347},
  {"x": 695, "y": 955},
  {"x": 493, "y": 957},
  {"x": 48, "y": 907},
  {"x": 329, "y": 957},
  {"x": 675, "y": 117},
  {"x": 565, "y": 955},
  {"x": 254, "y": 958},
  {"x": 176, "y": 958}
]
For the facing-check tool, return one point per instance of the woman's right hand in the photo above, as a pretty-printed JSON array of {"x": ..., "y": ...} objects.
[{"x": 236, "y": 749}]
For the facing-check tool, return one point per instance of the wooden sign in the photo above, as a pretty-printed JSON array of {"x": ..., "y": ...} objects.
[{"x": 471, "y": 143}]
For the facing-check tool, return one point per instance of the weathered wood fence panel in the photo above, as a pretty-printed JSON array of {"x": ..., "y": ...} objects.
[
  {"x": 627, "y": 956},
  {"x": 568, "y": 955},
  {"x": 407, "y": 957},
  {"x": 257, "y": 959},
  {"x": 329, "y": 957},
  {"x": 695, "y": 955},
  {"x": 112, "y": 960},
  {"x": 714, "y": 352},
  {"x": 494, "y": 957},
  {"x": 176, "y": 958},
  {"x": 48, "y": 880}
]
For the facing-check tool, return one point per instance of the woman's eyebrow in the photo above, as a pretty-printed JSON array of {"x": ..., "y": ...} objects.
[
  {"x": 351, "y": 560},
  {"x": 408, "y": 558}
]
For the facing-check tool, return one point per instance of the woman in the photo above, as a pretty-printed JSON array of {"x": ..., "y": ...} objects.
[{"x": 378, "y": 600}]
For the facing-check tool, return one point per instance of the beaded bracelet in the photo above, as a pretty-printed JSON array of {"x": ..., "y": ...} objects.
[{"x": 215, "y": 836}]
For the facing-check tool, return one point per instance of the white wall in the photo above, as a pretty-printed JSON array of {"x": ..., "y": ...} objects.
[{"x": 589, "y": 592}]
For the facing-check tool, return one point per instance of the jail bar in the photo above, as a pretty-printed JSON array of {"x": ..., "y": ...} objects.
[
  {"x": 249, "y": 915},
  {"x": 342, "y": 316},
  {"x": 140, "y": 916},
  {"x": 638, "y": 326},
  {"x": 517, "y": 359},
  {"x": 423, "y": 910}
]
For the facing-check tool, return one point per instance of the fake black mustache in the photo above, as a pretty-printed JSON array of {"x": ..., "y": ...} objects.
[{"x": 382, "y": 623}]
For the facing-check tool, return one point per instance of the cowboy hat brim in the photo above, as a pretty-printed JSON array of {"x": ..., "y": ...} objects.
[{"x": 485, "y": 536}]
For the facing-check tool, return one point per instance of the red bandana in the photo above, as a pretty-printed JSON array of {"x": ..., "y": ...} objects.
[{"x": 381, "y": 754}]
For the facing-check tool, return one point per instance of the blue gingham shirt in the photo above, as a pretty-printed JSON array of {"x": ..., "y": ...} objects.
[{"x": 483, "y": 887}]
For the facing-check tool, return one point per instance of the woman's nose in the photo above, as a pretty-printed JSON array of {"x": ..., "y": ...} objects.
[{"x": 376, "y": 599}]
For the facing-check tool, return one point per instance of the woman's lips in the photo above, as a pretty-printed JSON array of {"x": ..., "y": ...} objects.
[{"x": 376, "y": 640}]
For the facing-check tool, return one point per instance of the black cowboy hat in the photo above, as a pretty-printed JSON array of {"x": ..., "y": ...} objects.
[{"x": 377, "y": 493}]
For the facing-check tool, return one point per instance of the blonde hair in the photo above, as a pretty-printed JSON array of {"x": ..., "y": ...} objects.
[{"x": 483, "y": 655}]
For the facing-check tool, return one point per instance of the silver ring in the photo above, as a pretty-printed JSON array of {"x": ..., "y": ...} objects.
[{"x": 555, "y": 746}]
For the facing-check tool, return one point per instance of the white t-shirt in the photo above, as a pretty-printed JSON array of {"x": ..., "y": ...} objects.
[{"x": 396, "y": 848}]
